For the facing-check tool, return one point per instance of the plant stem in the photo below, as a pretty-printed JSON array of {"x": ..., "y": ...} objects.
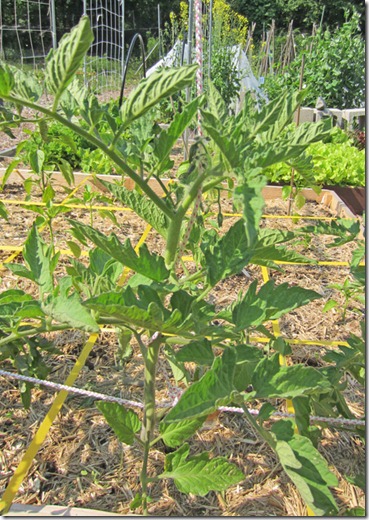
[
  {"x": 150, "y": 355},
  {"x": 32, "y": 332},
  {"x": 174, "y": 230}
]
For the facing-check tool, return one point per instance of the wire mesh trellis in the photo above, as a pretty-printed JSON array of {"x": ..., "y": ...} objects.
[
  {"x": 103, "y": 67},
  {"x": 27, "y": 31}
]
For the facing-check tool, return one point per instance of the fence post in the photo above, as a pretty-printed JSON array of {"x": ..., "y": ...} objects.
[{"x": 53, "y": 24}]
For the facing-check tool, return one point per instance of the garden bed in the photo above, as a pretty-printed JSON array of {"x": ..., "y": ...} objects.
[{"x": 82, "y": 464}]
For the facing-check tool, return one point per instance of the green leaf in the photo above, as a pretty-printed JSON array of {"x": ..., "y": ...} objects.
[
  {"x": 167, "y": 138},
  {"x": 124, "y": 423},
  {"x": 36, "y": 161},
  {"x": 355, "y": 511},
  {"x": 145, "y": 312},
  {"x": 150, "y": 265},
  {"x": 225, "y": 143},
  {"x": 48, "y": 194},
  {"x": 38, "y": 260},
  {"x": 159, "y": 85},
  {"x": 249, "y": 197},
  {"x": 329, "y": 305},
  {"x": 345, "y": 229},
  {"x": 6, "y": 80},
  {"x": 26, "y": 86},
  {"x": 63, "y": 63},
  {"x": 142, "y": 206},
  {"x": 228, "y": 255},
  {"x": 270, "y": 303},
  {"x": 199, "y": 352},
  {"x": 269, "y": 255},
  {"x": 199, "y": 475},
  {"x": 306, "y": 467},
  {"x": 76, "y": 250},
  {"x": 67, "y": 171},
  {"x": 67, "y": 308},
  {"x": 214, "y": 389},
  {"x": 299, "y": 200},
  {"x": 271, "y": 380},
  {"x": 247, "y": 359},
  {"x": 3, "y": 212},
  {"x": 173, "y": 434}
]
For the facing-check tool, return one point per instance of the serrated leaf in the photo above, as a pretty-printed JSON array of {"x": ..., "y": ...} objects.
[
  {"x": 199, "y": 475},
  {"x": 127, "y": 312},
  {"x": 270, "y": 303},
  {"x": 229, "y": 254},
  {"x": 272, "y": 380},
  {"x": 124, "y": 423},
  {"x": 345, "y": 229},
  {"x": 249, "y": 196},
  {"x": 150, "y": 265},
  {"x": 199, "y": 352},
  {"x": 63, "y": 63},
  {"x": 167, "y": 138},
  {"x": 26, "y": 86},
  {"x": 173, "y": 434},
  {"x": 214, "y": 389},
  {"x": 159, "y": 85},
  {"x": 306, "y": 467},
  {"x": 36, "y": 256},
  {"x": 269, "y": 255},
  {"x": 142, "y": 206},
  {"x": 67, "y": 308}
]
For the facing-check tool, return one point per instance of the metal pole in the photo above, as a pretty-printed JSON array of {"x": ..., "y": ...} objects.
[
  {"x": 85, "y": 58},
  {"x": 199, "y": 53},
  {"x": 159, "y": 33},
  {"x": 123, "y": 33},
  {"x": 53, "y": 24},
  {"x": 189, "y": 61},
  {"x": 210, "y": 43}
]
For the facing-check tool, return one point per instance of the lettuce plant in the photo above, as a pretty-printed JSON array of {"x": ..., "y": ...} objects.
[{"x": 164, "y": 308}]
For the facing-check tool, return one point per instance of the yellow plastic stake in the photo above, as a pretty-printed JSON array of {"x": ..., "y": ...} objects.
[
  {"x": 17, "y": 251},
  {"x": 40, "y": 436},
  {"x": 26, "y": 462},
  {"x": 283, "y": 362}
]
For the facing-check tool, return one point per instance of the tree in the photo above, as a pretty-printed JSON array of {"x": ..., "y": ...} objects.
[{"x": 303, "y": 12}]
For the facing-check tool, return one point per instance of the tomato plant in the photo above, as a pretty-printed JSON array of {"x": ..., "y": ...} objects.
[{"x": 166, "y": 313}]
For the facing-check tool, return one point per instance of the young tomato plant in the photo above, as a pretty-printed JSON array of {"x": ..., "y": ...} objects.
[{"x": 166, "y": 314}]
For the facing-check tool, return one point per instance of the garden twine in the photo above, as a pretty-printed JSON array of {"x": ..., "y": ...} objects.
[{"x": 175, "y": 394}]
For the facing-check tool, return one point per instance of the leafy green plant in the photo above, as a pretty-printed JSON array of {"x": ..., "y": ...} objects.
[
  {"x": 334, "y": 68},
  {"x": 333, "y": 162},
  {"x": 168, "y": 315}
]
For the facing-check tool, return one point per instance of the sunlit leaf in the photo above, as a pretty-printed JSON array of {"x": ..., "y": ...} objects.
[
  {"x": 124, "y": 423},
  {"x": 199, "y": 474}
]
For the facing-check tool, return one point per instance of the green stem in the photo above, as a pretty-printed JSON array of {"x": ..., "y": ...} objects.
[
  {"x": 174, "y": 230},
  {"x": 103, "y": 147},
  {"x": 150, "y": 356},
  {"x": 32, "y": 332}
]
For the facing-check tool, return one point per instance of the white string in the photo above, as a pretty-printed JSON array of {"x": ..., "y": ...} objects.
[{"x": 171, "y": 403}]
